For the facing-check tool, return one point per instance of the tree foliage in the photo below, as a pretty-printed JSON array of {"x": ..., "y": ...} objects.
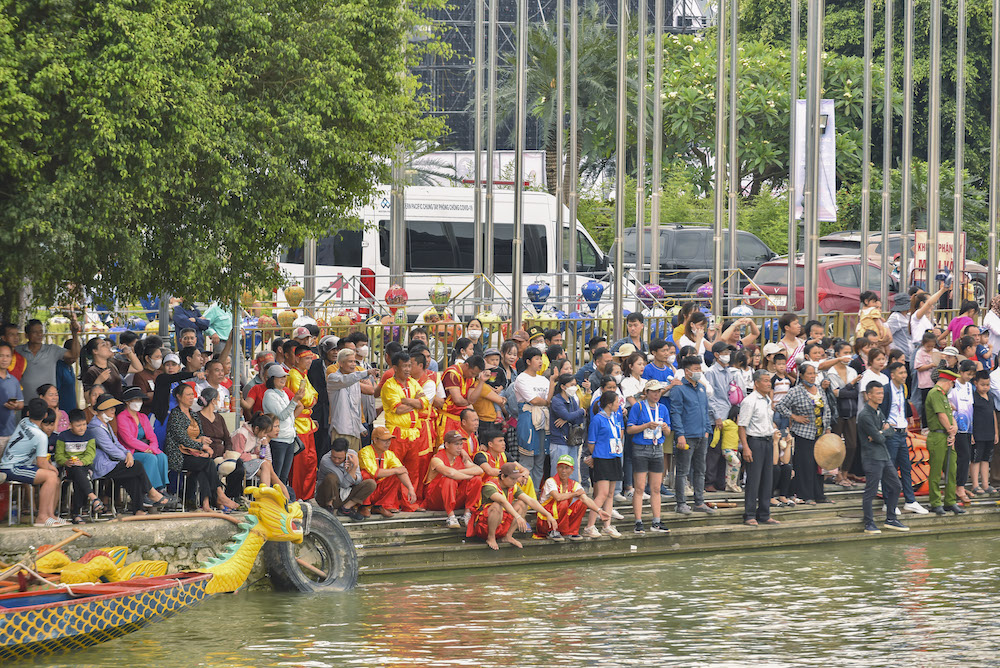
[{"x": 174, "y": 145}]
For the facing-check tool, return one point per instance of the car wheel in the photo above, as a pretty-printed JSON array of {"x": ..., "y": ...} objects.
[{"x": 979, "y": 290}]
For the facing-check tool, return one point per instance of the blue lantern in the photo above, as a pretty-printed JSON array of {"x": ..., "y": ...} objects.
[
  {"x": 592, "y": 291},
  {"x": 561, "y": 316},
  {"x": 538, "y": 293}
]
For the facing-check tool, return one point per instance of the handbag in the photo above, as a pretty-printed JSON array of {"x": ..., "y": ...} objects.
[
  {"x": 297, "y": 446},
  {"x": 575, "y": 435}
]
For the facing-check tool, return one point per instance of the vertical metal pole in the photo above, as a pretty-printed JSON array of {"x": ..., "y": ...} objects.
[
  {"x": 991, "y": 282},
  {"x": 734, "y": 150},
  {"x": 560, "y": 145},
  {"x": 640, "y": 151},
  {"x": 956, "y": 295},
  {"x": 814, "y": 80},
  {"x": 621, "y": 135},
  {"x": 477, "y": 170},
  {"x": 517, "y": 245},
  {"x": 720, "y": 148},
  {"x": 866, "y": 146},
  {"x": 793, "y": 225},
  {"x": 309, "y": 275},
  {"x": 574, "y": 146},
  {"x": 657, "y": 186},
  {"x": 934, "y": 147},
  {"x": 397, "y": 222},
  {"x": 164, "y": 317},
  {"x": 491, "y": 144},
  {"x": 906, "y": 202},
  {"x": 237, "y": 367},
  {"x": 887, "y": 120}
]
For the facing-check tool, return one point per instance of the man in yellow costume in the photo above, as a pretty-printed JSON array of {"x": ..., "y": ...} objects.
[
  {"x": 403, "y": 401},
  {"x": 304, "y": 464}
]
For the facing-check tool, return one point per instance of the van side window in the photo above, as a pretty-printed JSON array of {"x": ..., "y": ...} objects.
[
  {"x": 447, "y": 247},
  {"x": 342, "y": 249}
]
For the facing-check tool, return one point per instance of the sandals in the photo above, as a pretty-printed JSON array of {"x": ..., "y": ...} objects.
[
  {"x": 51, "y": 522},
  {"x": 96, "y": 506},
  {"x": 78, "y": 519}
]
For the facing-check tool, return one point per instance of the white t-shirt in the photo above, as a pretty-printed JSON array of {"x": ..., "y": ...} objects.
[
  {"x": 685, "y": 341},
  {"x": 551, "y": 486},
  {"x": 528, "y": 387},
  {"x": 867, "y": 377},
  {"x": 918, "y": 327},
  {"x": 223, "y": 394},
  {"x": 992, "y": 324},
  {"x": 631, "y": 387}
]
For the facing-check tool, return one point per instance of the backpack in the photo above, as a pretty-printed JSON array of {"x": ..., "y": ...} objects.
[{"x": 735, "y": 393}]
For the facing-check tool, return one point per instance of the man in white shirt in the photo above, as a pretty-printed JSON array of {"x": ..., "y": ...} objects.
[
  {"x": 214, "y": 375},
  {"x": 759, "y": 442},
  {"x": 897, "y": 409}
]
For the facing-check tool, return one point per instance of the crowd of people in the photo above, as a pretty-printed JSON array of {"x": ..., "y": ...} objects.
[{"x": 501, "y": 428}]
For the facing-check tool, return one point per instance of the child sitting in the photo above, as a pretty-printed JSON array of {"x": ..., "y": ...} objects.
[
  {"x": 75, "y": 451},
  {"x": 26, "y": 460},
  {"x": 870, "y": 318}
]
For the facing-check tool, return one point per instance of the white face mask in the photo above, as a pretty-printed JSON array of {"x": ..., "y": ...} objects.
[
  {"x": 619, "y": 378},
  {"x": 105, "y": 418},
  {"x": 156, "y": 364},
  {"x": 362, "y": 351},
  {"x": 724, "y": 359},
  {"x": 671, "y": 359},
  {"x": 135, "y": 405},
  {"x": 474, "y": 334},
  {"x": 539, "y": 347}
]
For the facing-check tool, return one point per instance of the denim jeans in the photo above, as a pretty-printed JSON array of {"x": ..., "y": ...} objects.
[
  {"x": 690, "y": 463},
  {"x": 899, "y": 454},
  {"x": 557, "y": 450},
  {"x": 281, "y": 459}
]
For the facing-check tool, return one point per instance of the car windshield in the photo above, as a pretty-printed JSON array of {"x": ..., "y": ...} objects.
[{"x": 776, "y": 275}]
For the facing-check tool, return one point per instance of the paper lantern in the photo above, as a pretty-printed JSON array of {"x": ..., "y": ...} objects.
[
  {"x": 439, "y": 295},
  {"x": 538, "y": 293},
  {"x": 294, "y": 295},
  {"x": 395, "y": 297},
  {"x": 592, "y": 291}
]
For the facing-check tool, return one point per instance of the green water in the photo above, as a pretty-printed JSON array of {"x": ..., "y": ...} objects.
[{"x": 872, "y": 603}]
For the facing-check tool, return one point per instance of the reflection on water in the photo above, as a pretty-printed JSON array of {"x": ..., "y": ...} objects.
[{"x": 872, "y": 603}]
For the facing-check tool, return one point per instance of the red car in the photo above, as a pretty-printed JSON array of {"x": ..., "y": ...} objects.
[{"x": 839, "y": 285}]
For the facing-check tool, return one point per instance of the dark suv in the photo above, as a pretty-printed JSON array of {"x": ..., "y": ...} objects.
[{"x": 686, "y": 255}]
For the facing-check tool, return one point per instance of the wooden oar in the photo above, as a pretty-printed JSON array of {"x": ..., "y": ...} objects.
[{"x": 51, "y": 548}]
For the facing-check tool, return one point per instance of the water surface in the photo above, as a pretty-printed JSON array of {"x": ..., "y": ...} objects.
[{"x": 874, "y": 603}]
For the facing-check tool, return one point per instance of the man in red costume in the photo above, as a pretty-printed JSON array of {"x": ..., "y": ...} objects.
[
  {"x": 468, "y": 427},
  {"x": 566, "y": 501},
  {"x": 463, "y": 383},
  {"x": 402, "y": 401},
  {"x": 450, "y": 477},
  {"x": 499, "y": 510},
  {"x": 380, "y": 464},
  {"x": 490, "y": 460},
  {"x": 426, "y": 444}
]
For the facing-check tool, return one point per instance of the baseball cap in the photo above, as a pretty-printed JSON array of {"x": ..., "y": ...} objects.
[
  {"x": 509, "y": 469},
  {"x": 951, "y": 350},
  {"x": 171, "y": 357},
  {"x": 519, "y": 336},
  {"x": 276, "y": 371},
  {"x": 719, "y": 346},
  {"x": 453, "y": 436},
  {"x": 624, "y": 350},
  {"x": 301, "y": 333},
  {"x": 566, "y": 459},
  {"x": 653, "y": 385},
  {"x": 771, "y": 349},
  {"x": 491, "y": 351},
  {"x": 381, "y": 434}
]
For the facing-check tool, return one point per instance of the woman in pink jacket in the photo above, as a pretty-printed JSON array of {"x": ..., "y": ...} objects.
[
  {"x": 251, "y": 440},
  {"x": 136, "y": 434}
]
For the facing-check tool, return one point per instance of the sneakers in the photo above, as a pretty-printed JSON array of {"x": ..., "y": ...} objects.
[
  {"x": 619, "y": 498},
  {"x": 639, "y": 529},
  {"x": 938, "y": 510},
  {"x": 630, "y": 495},
  {"x": 610, "y": 530},
  {"x": 452, "y": 522},
  {"x": 657, "y": 527},
  {"x": 575, "y": 537},
  {"x": 958, "y": 510},
  {"x": 592, "y": 532},
  {"x": 871, "y": 529},
  {"x": 466, "y": 518},
  {"x": 896, "y": 525},
  {"x": 616, "y": 515},
  {"x": 351, "y": 513},
  {"x": 665, "y": 492},
  {"x": 645, "y": 496},
  {"x": 704, "y": 508},
  {"x": 556, "y": 536},
  {"x": 683, "y": 509},
  {"x": 915, "y": 507}
]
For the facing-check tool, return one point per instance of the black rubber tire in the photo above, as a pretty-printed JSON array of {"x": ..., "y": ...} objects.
[{"x": 327, "y": 539}]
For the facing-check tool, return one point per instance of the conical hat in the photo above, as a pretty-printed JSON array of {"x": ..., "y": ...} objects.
[{"x": 829, "y": 451}]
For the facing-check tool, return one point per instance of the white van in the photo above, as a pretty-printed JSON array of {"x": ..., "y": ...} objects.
[{"x": 439, "y": 245}]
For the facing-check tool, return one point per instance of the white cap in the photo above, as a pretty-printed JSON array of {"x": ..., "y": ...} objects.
[{"x": 171, "y": 357}]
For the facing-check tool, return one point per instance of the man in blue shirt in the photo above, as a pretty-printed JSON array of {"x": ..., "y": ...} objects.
[
  {"x": 585, "y": 371},
  {"x": 26, "y": 460},
  {"x": 691, "y": 426},
  {"x": 634, "y": 325},
  {"x": 661, "y": 369}
]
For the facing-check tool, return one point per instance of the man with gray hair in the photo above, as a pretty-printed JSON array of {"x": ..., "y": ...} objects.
[
  {"x": 759, "y": 443},
  {"x": 344, "y": 389}
]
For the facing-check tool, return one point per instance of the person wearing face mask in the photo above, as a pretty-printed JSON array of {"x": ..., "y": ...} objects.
[
  {"x": 695, "y": 333},
  {"x": 136, "y": 433},
  {"x": 723, "y": 379},
  {"x": 808, "y": 412},
  {"x": 536, "y": 340},
  {"x": 463, "y": 350},
  {"x": 152, "y": 366},
  {"x": 474, "y": 332},
  {"x": 690, "y": 421},
  {"x": 112, "y": 460}
]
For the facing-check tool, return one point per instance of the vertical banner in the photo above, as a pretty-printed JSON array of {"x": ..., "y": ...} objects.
[{"x": 827, "y": 162}]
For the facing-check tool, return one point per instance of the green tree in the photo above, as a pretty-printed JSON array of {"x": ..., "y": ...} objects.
[{"x": 175, "y": 145}]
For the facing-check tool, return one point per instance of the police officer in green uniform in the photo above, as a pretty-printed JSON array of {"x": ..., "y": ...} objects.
[{"x": 941, "y": 444}]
